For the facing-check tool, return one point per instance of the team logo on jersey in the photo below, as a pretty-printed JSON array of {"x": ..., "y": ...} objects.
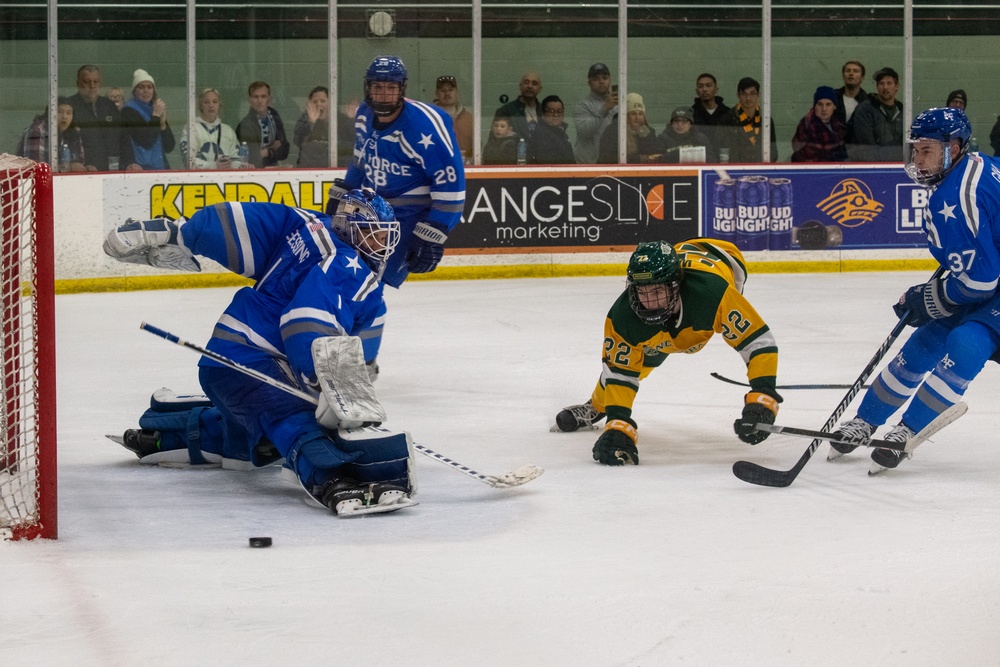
[{"x": 851, "y": 203}]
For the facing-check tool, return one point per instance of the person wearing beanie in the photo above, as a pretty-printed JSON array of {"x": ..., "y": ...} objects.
[
  {"x": 592, "y": 115},
  {"x": 957, "y": 99},
  {"x": 642, "y": 144},
  {"x": 144, "y": 126},
  {"x": 681, "y": 133},
  {"x": 820, "y": 135}
]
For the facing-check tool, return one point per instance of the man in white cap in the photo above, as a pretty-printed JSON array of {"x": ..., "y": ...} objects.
[{"x": 593, "y": 114}]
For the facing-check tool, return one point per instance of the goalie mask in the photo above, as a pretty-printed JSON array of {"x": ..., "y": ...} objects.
[
  {"x": 385, "y": 71},
  {"x": 367, "y": 223},
  {"x": 654, "y": 282},
  {"x": 929, "y": 144}
]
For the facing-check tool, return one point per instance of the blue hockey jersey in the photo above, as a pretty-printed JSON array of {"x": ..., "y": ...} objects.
[
  {"x": 309, "y": 284},
  {"x": 962, "y": 221},
  {"x": 416, "y": 165}
]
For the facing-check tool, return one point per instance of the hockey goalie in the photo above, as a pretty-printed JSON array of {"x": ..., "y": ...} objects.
[{"x": 317, "y": 287}]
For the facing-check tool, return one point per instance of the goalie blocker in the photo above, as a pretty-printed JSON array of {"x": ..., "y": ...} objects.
[{"x": 187, "y": 431}]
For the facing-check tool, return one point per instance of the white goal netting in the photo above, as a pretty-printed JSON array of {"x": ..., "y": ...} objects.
[{"x": 24, "y": 185}]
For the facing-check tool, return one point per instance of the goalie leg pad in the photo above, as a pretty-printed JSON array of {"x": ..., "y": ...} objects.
[
  {"x": 385, "y": 456},
  {"x": 316, "y": 459},
  {"x": 347, "y": 397},
  {"x": 194, "y": 433}
]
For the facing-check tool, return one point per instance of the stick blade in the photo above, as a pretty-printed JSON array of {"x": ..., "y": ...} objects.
[
  {"x": 517, "y": 477},
  {"x": 753, "y": 473}
]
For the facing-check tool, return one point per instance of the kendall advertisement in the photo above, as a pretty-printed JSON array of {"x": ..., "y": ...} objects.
[
  {"x": 814, "y": 209},
  {"x": 564, "y": 210}
]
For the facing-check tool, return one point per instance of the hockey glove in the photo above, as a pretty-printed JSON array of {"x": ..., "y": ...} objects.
[
  {"x": 759, "y": 408},
  {"x": 925, "y": 302},
  {"x": 426, "y": 248},
  {"x": 616, "y": 446}
]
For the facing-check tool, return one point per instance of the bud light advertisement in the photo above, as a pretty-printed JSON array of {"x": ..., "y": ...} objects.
[{"x": 815, "y": 209}]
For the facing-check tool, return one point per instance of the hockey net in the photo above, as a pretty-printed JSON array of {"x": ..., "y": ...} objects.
[{"x": 27, "y": 338}]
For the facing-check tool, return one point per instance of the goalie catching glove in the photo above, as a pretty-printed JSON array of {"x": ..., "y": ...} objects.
[
  {"x": 426, "y": 248},
  {"x": 347, "y": 398},
  {"x": 759, "y": 408},
  {"x": 925, "y": 302},
  {"x": 616, "y": 446}
]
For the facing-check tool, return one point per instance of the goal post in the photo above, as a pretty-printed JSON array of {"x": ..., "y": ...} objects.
[{"x": 28, "y": 490}]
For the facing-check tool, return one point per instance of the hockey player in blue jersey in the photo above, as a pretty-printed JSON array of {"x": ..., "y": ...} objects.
[
  {"x": 406, "y": 151},
  {"x": 957, "y": 317},
  {"x": 316, "y": 290}
]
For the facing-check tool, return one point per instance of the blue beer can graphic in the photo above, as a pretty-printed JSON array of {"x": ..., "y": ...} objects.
[
  {"x": 781, "y": 219},
  {"x": 724, "y": 215},
  {"x": 753, "y": 213}
]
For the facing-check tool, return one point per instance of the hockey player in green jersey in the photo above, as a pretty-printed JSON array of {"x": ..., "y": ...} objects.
[{"x": 676, "y": 299}]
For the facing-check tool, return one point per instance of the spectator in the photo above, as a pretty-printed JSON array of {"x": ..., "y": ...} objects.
[
  {"x": 345, "y": 131},
  {"x": 878, "y": 122},
  {"x": 995, "y": 137},
  {"x": 641, "y": 143},
  {"x": 144, "y": 124},
  {"x": 446, "y": 97},
  {"x": 312, "y": 131},
  {"x": 710, "y": 112},
  {"x": 216, "y": 145},
  {"x": 745, "y": 144},
  {"x": 820, "y": 134},
  {"x": 592, "y": 114},
  {"x": 851, "y": 94},
  {"x": 501, "y": 147},
  {"x": 34, "y": 142},
  {"x": 117, "y": 95},
  {"x": 681, "y": 142},
  {"x": 262, "y": 129},
  {"x": 957, "y": 99},
  {"x": 99, "y": 122},
  {"x": 550, "y": 143},
  {"x": 523, "y": 110}
]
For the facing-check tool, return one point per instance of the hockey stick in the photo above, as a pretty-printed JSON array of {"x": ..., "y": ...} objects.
[
  {"x": 830, "y": 437},
  {"x": 719, "y": 376},
  {"x": 516, "y": 477},
  {"x": 757, "y": 474}
]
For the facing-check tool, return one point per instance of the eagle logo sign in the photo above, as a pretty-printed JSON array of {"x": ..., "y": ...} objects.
[{"x": 851, "y": 203}]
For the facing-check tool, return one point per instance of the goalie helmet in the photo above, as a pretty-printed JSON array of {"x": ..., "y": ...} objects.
[
  {"x": 367, "y": 223},
  {"x": 654, "y": 282},
  {"x": 385, "y": 69},
  {"x": 929, "y": 157}
]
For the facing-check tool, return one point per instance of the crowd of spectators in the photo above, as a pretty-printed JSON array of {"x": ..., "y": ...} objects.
[{"x": 130, "y": 131}]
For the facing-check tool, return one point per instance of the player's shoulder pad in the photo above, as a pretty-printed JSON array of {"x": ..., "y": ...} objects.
[{"x": 438, "y": 119}]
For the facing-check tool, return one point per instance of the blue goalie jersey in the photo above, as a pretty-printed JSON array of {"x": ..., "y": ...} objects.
[
  {"x": 309, "y": 284},
  {"x": 962, "y": 234},
  {"x": 415, "y": 164}
]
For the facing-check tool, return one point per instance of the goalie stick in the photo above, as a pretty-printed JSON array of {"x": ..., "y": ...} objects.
[
  {"x": 719, "y": 376},
  {"x": 939, "y": 422},
  {"x": 754, "y": 473},
  {"x": 516, "y": 477}
]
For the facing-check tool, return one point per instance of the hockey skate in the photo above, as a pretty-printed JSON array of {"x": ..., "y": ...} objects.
[
  {"x": 576, "y": 417},
  {"x": 152, "y": 242},
  {"x": 347, "y": 497},
  {"x": 886, "y": 459},
  {"x": 141, "y": 443},
  {"x": 856, "y": 429}
]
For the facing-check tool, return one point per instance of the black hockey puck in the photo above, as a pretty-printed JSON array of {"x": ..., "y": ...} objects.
[{"x": 260, "y": 542}]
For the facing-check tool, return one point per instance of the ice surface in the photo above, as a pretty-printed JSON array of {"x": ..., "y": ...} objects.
[{"x": 672, "y": 562}]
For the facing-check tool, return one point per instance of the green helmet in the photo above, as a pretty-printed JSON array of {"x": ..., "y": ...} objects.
[{"x": 654, "y": 263}]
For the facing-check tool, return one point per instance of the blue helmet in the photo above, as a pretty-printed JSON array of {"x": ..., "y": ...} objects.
[
  {"x": 367, "y": 223},
  {"x": 386, "y": 69},
  {"x": 943, "y": 125}
]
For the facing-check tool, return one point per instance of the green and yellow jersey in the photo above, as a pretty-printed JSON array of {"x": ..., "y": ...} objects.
[{"x": 712, "y": 302}]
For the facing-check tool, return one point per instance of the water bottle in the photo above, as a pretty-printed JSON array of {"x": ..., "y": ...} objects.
[
  {"x": 244, "y": 154},
  {"x": 64, "y": 157},
  {"x": 522, "y": 151},
  {"x": 973, "y": 145}
]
